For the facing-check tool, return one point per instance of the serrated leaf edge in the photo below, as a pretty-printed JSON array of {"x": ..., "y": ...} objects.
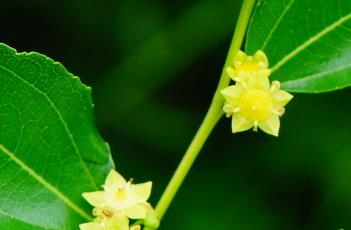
[{"x": 86, "y": 169}]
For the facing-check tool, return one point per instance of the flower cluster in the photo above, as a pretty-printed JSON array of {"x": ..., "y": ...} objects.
[
  {"x": 253, "y": 102},
  {"x": 118, "y": 202}
]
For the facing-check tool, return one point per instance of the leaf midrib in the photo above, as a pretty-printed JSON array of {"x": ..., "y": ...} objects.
[
  {"x": 276, "y": 24},
  {"x": 45, "y": 183},
  {"x": 60, "y": 119}
]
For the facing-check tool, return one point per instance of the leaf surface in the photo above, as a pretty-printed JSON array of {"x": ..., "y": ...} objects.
[
  {"x": 50, "y": 150},
  {"x": 308, "y": 42}
]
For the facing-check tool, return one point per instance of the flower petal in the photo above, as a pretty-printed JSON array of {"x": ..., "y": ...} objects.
[
  {"x": 138, "y": 211},
  {"x": 91, "y": 226},
  {"x": 239, "y": 58},
  {"x": 240, "y": 123},
  {"x": 142, "y": 191},
  {"x": 281, "y": 98},
  {"x": 259, "y": 80},
  {"x": 118, "y": 222},
  {"x": 231, "y": 93},
  {"x": 95, "y": 198},
  {"x": 114, "y": 179},
  {"x": 270, "y": 125},
  {"x": 231, "y": 72},
  {"x": 261, "y": 59}
]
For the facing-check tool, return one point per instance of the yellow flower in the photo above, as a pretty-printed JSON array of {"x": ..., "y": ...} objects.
[
  {"x": 113, "y": 222},
  {"x": 247, "y": 67},
  {"x": 121, "y": 196},
  {"x": 253, "y": 102}
]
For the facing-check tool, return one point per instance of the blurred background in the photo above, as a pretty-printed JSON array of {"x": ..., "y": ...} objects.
[{"x": 153, "y": 66}]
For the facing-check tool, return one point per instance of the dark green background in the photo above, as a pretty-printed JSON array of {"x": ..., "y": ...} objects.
[{"x": 153, "y": 66}]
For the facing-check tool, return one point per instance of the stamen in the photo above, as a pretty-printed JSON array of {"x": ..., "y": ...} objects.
[
  {"x": 235, "y": 110},
  {"x": 276, "y": 112},
  {"x": 275, "y": 86},
  {"x": 107, "y": 213},
  {"x": 228, "y": 109},
  {"x": 238, "y": 80},
  {"x": 237, "y": 63},
  {"x": 255, "y": 126},
  {"x": 279, "y": 112},
  {"x": 129, "y": 183},
  {"x": 261, "y": 64}
]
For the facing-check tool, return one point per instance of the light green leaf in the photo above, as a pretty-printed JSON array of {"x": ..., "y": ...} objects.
[
  {"x": 307, "y": 42},
  {"x": 50, "y": 150}
]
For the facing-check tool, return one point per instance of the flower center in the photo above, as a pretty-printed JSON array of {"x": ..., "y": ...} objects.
[
  {"x": 247, "y": 66},
  {"x": 120, "y": 194},
  {"x": 255, "y": 104}
]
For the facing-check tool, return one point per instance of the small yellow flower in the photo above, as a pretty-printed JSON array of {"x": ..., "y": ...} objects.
[
  {"x": 121, "y": 196},
  {"x": 113, "y": 222},
  {"x": 253, "y": 102},
  {"x": 246, "y": 67}
]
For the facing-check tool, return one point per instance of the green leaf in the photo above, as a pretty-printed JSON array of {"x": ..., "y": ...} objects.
[
  {"x": 50, "y": 150},
  {"x": 307, "y": 42}
]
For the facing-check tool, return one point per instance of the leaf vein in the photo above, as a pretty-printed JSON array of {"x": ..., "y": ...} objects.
[
  {"x": 310, "y": 41},
  {"x": 61, "y": 120},
  {"x": 45, "y": 183}
]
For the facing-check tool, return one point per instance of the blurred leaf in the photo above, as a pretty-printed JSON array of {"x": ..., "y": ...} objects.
[
  {"x": 50, "y": 151},
  {"x": 162, "y": 126},
  {"x": 307, "y": 42},
  {"x": 130, "y": 31},
  {"x": 163, "y": 55},
  {"x": 218, "y": 198}
]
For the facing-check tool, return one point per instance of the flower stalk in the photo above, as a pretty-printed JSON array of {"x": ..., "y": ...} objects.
[{"x": 213, "y": 115}]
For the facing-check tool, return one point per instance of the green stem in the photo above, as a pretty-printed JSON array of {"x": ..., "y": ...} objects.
[{"x": 212, "y": 117}]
